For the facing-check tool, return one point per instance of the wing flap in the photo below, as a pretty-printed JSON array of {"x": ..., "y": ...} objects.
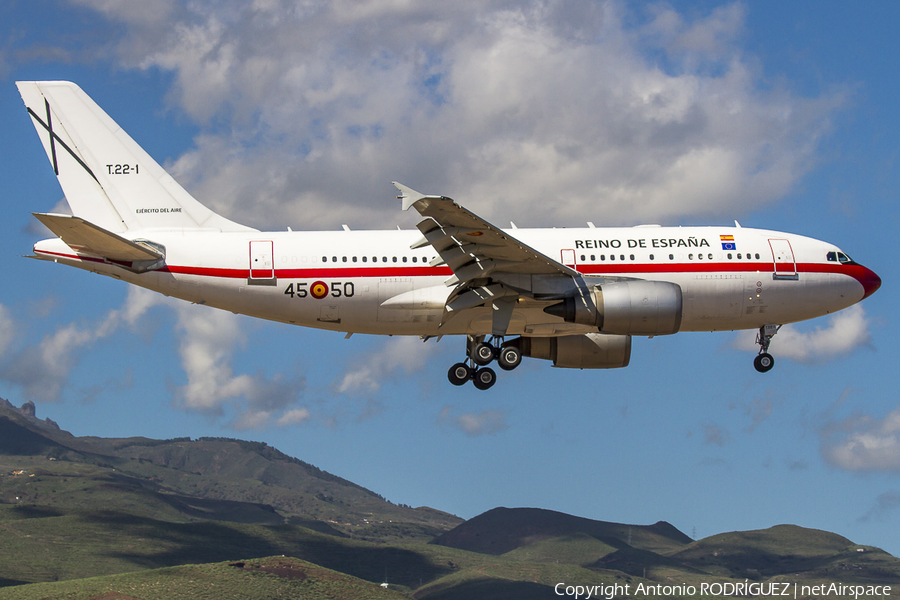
[{"x": 85, "y": 237}]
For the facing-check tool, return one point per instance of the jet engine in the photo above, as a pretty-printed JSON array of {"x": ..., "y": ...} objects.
[
  {"x": 625, "y": 307},
  {"x": 588, "y": 351}
]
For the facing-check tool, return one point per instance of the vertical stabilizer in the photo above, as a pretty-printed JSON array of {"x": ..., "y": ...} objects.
[{"x": 106, "y": 177}]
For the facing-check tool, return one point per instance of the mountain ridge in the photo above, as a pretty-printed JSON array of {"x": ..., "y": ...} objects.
[{"x": 221, "y": 469}]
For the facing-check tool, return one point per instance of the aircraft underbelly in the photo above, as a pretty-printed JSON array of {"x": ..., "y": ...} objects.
[{"x": 713, "y": 305}]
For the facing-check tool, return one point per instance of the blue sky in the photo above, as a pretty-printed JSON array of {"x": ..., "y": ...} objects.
[{"x": 780, "y": 115}]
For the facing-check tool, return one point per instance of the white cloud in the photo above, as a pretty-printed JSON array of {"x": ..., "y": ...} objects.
[
  {"x": 551, "y": 112},
  {"x": 207, "y": 345},
  {"x": 207, "y": 341},
  {"x": 43, "y": 369},
  {"x": 295, "y": 416},
  {"x": 843, "y": 332},
  {"x": 863, "y": 443},
  {"x": 475, "y": 424},
  {"x": 7, "y": 329},
  {"x": 365, "y": 374}
]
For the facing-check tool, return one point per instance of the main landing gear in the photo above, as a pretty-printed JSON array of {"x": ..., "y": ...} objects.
[
  {"x": 480, "y": 354},
  {"x": 764, "y": 361}
]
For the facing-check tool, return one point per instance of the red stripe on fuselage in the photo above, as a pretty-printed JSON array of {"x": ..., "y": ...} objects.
[
  {"x": 858, "y": 272},
  {"x": 866, "y": 277}
]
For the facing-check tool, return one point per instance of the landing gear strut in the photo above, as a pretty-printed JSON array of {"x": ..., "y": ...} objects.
[
  {"x": 480, "y": 354},
  {"x": 764, "y": 361}
]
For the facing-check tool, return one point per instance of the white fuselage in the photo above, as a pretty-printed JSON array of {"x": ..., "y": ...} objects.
[{"x": 372, "y": 282}]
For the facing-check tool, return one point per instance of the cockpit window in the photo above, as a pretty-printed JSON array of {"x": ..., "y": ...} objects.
[{"x": 839, "y": 257}]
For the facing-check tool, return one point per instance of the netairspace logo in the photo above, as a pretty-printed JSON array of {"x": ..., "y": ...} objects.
[{"x": 736, "y": 589}]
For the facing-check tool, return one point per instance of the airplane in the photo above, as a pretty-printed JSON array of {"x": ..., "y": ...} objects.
[{"x": 572, "y": 296}]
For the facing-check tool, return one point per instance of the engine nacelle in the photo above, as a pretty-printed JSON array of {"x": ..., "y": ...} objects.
[
  {"x": 626, "y": 308},
  {"x": 588, "y": 351}
]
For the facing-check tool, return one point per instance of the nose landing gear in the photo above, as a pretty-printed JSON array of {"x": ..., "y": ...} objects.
[
  {"x": 480, "y": 354},
  {"x": 764, "y": 361}
]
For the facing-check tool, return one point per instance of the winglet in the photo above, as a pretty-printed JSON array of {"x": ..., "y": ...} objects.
[{"x": 410, "y": 196}]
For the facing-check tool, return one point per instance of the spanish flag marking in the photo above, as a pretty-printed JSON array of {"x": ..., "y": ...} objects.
[{"x": 728, "y": 242}]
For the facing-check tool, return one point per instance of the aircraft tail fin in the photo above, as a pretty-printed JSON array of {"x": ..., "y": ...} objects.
[{"x": 107, "y": 178}]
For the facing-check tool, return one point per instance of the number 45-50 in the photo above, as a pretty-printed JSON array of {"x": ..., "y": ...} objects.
[{"x": 320, "y": 289}]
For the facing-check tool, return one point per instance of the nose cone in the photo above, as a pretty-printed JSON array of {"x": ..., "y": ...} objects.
[
  {"x": 866, "y": 278},
  {"x": 869, "y": 280}
]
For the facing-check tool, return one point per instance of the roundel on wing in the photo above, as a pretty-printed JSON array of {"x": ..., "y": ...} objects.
[{"x": 319, "y": 290}]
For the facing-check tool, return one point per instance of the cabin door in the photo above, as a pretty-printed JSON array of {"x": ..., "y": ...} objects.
[
  {"x": 262, "y": 262},
  {"x": 783, "y": 256}
]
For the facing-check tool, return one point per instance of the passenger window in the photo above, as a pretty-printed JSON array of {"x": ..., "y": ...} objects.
[
  {"x": 651, "y": 257},
  {"x": 729, "y": 256},
  {"x": 593, "y": 258},
  {"x": 690, "y": 257},
  {"x": 631, "y": 257},
  {"x": 757, "y": 257},
  {"x": 671, "y": 257}
]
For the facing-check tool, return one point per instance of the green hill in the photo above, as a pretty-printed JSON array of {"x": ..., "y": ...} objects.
[
  {"x": 502, "y": 530},
  {"x": 789, "y": 550},
  {"x": 273, "y": 578}
]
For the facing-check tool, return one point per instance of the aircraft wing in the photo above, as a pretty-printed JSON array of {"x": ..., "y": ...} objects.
[
  {"x": 469, "y": 245},
  {"x": 476, "y": 252},
  {"x": 85, "y": 237}
]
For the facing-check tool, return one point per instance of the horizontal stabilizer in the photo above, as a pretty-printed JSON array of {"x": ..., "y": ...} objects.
[{"x": 84, "y": 236}]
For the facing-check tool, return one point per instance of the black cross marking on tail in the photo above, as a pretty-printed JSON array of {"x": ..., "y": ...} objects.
[{"x": 55, "y": 138}]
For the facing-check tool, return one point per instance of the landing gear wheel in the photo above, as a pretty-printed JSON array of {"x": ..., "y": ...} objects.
[
  {"x": 485, "y": 378},
  {"x": 483, "y": 354},
  {"x": 764, "y": 362},
  {"x": 459, "y": 374},
  {"x": 509, "y": 358}
]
